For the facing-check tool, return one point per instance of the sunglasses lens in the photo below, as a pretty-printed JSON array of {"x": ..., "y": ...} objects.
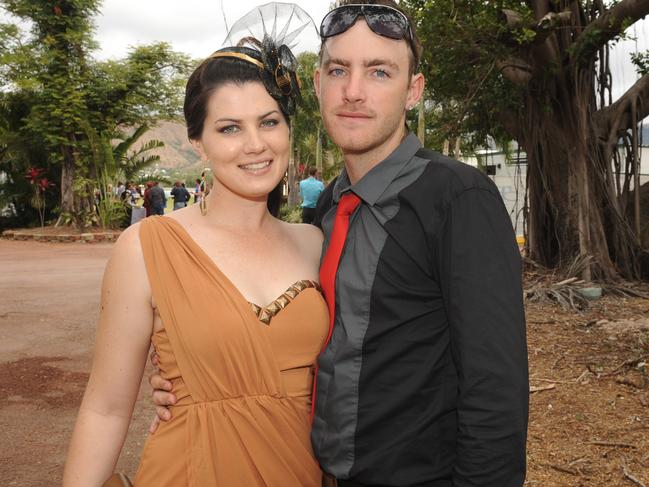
[
  {"x": 387, "y": 23},
  {"x": 338, "y": 21},
  {"x": 382, "y": 20}
]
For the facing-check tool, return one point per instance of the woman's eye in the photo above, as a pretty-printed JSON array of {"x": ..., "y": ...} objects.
[
  {"x": 271, "y": 122},
  {"x": 230, "y": 129}
]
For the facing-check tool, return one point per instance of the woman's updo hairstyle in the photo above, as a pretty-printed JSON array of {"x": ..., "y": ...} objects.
[{"x": 239, "y": 65}]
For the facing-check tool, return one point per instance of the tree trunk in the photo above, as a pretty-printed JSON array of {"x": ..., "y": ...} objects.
[
  {"x": 68, "y": 173},
  {"x": 318, "y": 150},
  {"x": 574, "y": 221},
  {"x": 293, "y": 196}
]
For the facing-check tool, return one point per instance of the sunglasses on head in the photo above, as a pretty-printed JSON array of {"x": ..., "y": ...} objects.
[{"x": 382, "y": 19}]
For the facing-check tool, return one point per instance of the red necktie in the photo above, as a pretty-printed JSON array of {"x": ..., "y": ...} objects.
[{"x": 329, "y": 267}]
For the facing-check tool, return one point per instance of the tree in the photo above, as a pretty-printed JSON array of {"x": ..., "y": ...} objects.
[
  {"x": 306, "y": 125},
  {"x": 75, "y": 99},
  {"x": 537, "y": 72},
  {"x": 311, "y": 140},
  {"x": 20, "y": 151},
  {"x": 128, "y": 161}
]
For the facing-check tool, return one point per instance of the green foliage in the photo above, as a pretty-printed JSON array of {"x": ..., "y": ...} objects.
[
  {"x": 19, "y": 152},
  {"x": 307, "y": 122},
  {"x": 462, "y": 43},
  {"x": 72, "y": 106},
  {"x": 290, "y": 215},
  {"x": 129, "y": 162},
  {"x": 111, "y": 211},
  {"x": 641, "y": 62},
  {"x": 524, "y": 35}
]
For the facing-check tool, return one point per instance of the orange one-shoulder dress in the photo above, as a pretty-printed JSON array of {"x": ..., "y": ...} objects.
[{"x": 242, "y": 374}]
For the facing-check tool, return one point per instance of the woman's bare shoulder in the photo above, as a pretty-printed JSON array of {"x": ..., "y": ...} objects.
[
  {"x": 127, "y": 252},
  {"x": 305, "y": 232},
  {"x": 307, "y": 237},
  {"x": 128, "y": 241}
]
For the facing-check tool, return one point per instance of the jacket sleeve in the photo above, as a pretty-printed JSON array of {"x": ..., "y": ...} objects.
[{"x": 480, "y": 274}]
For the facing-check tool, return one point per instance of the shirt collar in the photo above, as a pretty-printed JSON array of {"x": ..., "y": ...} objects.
[{"x": 376, "y": 181}]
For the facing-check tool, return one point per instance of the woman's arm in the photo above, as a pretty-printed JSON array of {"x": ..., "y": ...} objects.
[{"x": 122, "y": 342}]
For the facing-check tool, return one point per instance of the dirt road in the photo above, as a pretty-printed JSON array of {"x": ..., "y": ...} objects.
[
  {"x": 589, "y": 414},
  {"x": 49, "y": 298}
]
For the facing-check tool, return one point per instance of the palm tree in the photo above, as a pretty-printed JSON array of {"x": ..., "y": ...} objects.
[{"x": 131, "y": 163}]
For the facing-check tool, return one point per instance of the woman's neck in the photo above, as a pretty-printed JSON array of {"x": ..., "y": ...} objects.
[{"x": 244, "y": 215}]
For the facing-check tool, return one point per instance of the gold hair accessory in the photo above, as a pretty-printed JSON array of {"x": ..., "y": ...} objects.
[{"x": 238, "y": 55}]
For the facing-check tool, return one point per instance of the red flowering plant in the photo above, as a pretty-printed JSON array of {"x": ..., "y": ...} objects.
[{"x": 40, "y": 185}]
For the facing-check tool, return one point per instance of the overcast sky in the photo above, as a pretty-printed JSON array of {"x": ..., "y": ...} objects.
[{"x": 197, "y": 27}]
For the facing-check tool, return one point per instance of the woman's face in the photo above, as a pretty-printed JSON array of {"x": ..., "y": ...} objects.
[{"x": 246, "y": 139}]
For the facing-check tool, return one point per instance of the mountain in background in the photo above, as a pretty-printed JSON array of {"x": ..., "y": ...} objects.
[{"x": 177, "y": 153}]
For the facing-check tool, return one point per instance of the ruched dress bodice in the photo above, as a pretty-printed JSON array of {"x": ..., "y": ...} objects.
[{"x": 243, "y": 386}]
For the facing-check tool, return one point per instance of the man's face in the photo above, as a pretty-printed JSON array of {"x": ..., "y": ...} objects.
[{"x": 364, "y": 90}]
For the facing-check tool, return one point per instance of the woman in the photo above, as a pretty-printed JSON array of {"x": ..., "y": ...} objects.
[
  {"x": 240, "y": 358},
  {"x": 147, "y": 198},
  {"x": 197, "y": 190}
]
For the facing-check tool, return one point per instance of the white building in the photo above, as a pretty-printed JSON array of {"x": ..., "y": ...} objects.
[{"x": 509, "y": 173}]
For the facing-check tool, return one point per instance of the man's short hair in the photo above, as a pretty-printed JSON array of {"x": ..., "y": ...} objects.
[
  {"x": 415, "y": 49},
  {"x": 313, "y": 170}
]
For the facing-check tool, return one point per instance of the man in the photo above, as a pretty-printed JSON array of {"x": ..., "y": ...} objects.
[
  {"x": 423, "y": 381},
  {"x": 310, "y": 189},
  {"x": 121, "y": 187},
  {"x": 157, "y": 199},
  {"x": 180, "y": 195}
]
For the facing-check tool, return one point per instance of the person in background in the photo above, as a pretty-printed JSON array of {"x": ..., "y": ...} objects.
[
  {"x": 197, "y": 191},
  {"x": 121, "y": 187},
  {"x": 158, "y": 199},
  {"x": 147, "y": 198},
  {"x": 310, "y": 189},
  {"x": 180, "y": 195}
]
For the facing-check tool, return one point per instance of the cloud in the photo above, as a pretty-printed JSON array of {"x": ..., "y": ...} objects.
[{"x": 196, "y": 27}]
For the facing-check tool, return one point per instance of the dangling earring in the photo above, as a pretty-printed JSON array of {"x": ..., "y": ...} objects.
[{"x": 203, "y": 202}]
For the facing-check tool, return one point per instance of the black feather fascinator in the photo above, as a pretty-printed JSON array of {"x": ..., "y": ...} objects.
[{"x": 265, "y": 37}]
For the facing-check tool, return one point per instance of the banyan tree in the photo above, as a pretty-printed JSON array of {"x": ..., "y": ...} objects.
[{"x": 538, "y": 72}]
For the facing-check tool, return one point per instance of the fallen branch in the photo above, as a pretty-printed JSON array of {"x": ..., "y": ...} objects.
[
  {"x": 559, "y": 468},
  {"x": 619, "y": 369},
  {"x": 612, "y": 443},
  {"x": 565, "y": 282},
  {"x": 638, "y": 384},
  {"x": 566, "y": 381},
  {"x": 555, "y": 381},
  {"x": 542, "y": 388},
  {"x": 632, "y": 477},
  {"x": 565, "y": 293},
  {"x": 625, "y": 292},
  {"x": 579, "y": 460}
]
